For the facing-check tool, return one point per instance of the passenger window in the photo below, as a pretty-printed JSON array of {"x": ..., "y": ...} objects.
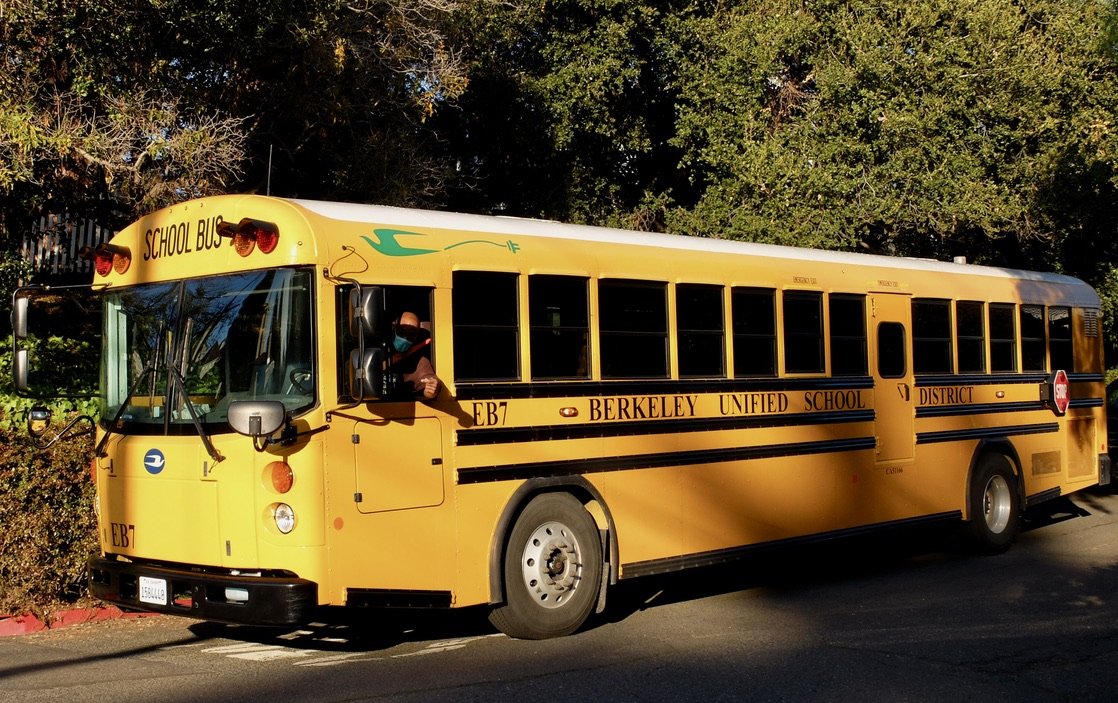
[
  {"x": 848, "y": 335},
  {"x": 1003, "y": 337},
  {"x": 486, "y": 326},
  {"x": 560, "y": 326},
  {"x": 1032, "y": 338},
  {"x": 1060, "y": 339},
  {"x": 754, "y": 325},
  {"x": 701, "y": 330},
  {"x": 970, "y": 336},
  {"x": 803, "y": 332},
  {"x": 634, "y": 327},
  {"x": 931, "y": 336}
]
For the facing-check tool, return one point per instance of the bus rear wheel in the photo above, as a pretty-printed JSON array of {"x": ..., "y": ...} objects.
[
  {"x": 995, "y": 506},
  {"x": 552, "y": 569}
]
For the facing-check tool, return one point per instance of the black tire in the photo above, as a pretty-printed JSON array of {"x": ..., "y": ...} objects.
[
  {"x": 994, "y": 506},
  {"x": 552, "y": 569}
]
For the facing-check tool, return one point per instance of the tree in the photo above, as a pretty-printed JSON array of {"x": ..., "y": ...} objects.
[
  {"x": 109, "y": 108},
  {"x": 926, "y": 128},
  {"x": 569, "y": 112}
]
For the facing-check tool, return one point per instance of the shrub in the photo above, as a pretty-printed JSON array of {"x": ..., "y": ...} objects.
[{"x": 47, "y": 524}]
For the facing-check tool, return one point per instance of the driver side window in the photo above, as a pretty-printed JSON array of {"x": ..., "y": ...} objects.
[{"x": 398, "y": 300}]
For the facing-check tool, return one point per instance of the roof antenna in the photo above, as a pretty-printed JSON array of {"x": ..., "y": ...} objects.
[{"x": 268, "y": 190}]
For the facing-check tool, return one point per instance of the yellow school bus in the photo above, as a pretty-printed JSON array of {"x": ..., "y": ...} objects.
[{"x": 605, "y": 405}]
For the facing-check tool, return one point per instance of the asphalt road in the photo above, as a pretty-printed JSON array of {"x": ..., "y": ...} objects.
[{"x": 910, "y": 618}]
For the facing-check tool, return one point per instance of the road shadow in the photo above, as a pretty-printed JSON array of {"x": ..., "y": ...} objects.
[{"x": 780, "y": 567}]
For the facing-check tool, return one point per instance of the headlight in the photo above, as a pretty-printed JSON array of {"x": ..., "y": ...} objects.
[{"x": 284, "y": 516}]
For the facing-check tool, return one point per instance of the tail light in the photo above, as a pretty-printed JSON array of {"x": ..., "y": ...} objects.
[{"x": 251, "y": 234}]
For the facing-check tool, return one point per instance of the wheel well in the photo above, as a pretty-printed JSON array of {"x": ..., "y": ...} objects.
[
  {"x": 577, "y": 487},
  {"x": 1001, "y": 448}
]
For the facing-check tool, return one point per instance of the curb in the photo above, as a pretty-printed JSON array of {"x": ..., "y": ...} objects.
[{"x": 15, "y": 625}]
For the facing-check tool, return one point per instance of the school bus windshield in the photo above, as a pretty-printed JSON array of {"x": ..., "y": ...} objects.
[{"x": 197, "y": 345}]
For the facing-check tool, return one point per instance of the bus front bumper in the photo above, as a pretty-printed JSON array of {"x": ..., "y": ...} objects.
[{"x": 250, "y": 600}]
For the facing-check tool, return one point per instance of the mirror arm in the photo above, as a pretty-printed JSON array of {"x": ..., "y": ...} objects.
[{"x": 62, "y": 433}]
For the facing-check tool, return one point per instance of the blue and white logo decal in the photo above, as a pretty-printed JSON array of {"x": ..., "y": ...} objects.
[{"x": 154, "y": 461}]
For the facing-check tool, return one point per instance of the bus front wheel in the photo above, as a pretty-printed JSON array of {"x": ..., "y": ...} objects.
[
  {"x": 552, "y": 569},
  {"x": 995, "y": 506}
]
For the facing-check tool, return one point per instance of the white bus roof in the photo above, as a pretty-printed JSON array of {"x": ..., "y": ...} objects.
[{"x": 407, "y": 217}]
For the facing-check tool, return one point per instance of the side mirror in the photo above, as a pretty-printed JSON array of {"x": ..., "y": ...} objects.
[
  {"x": 19, "y": 317},
  {"x": 257, "y": 418},
  {"x": 366, "y": 305},
  {"x": 20, "y": 363},
  {"x": 20, "y": 358},
  {"x": 366, "y": 374}
]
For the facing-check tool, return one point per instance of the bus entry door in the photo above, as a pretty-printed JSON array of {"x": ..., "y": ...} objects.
[
  {"x": 399, "y": 464},
  {"x": 894, "y": 392}
]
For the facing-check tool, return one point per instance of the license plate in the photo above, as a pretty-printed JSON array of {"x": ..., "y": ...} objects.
[{"x": 153, "y": 591}]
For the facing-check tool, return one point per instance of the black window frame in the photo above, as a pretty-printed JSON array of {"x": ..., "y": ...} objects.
[
  {"x": 700, "y": 330},
  {"x": 559, "y": 327},
  {"x": 804, "y": 351},
  {"x": 1061, "y": 338},
  {"x": 754, "y": 332},
  {"x": 848, "y": 346},
  {"x": 629, "y": 336},
  {"x": 486, "y": 335},
  {"x": 1003, "y": 343},
  {"x": 1034, "y": 338},
  {"x": 970, "y": 336},
  {"x": 932, "y": 345}
]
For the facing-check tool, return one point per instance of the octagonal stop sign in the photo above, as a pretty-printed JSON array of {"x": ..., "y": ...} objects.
[{"x": 1060, "y": 391}]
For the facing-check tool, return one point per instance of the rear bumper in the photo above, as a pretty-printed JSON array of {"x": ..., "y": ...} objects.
[{"x": 250, "y": 600}]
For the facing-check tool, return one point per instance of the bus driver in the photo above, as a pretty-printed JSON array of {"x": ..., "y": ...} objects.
[{"x": 409, "y": 340}]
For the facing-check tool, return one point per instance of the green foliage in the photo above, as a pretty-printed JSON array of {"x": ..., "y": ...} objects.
[
  {"x": 569, "y": 111},
  {"x": 926, "y": 128},
  {"x": 131, "y": 106},
  {"x": 49, "y": 528},
  {"x": 46, "y": 496},
  {"x": 923, "y": 128},
  {"x": 59, "y": 363}
]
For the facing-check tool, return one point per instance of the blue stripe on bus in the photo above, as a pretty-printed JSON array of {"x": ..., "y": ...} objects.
[{"x": 985, "y": 433}]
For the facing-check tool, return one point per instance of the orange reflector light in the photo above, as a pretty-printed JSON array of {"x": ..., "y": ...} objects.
[
  {"x": 121, "y": 262},
  {"x": 243, "y": 243},
  {"x": 282, "y": 476}
]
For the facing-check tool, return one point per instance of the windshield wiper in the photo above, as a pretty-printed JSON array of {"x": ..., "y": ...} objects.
[
  {"x": 124, "y": 404},
  {"x": 178, "y": 384}
]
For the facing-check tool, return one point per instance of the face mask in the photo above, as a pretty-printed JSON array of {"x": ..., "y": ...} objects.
[{"x": 400, "y": 344}]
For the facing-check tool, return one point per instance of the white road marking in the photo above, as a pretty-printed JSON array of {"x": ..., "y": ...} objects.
[{"x": 257, "y": 652}]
